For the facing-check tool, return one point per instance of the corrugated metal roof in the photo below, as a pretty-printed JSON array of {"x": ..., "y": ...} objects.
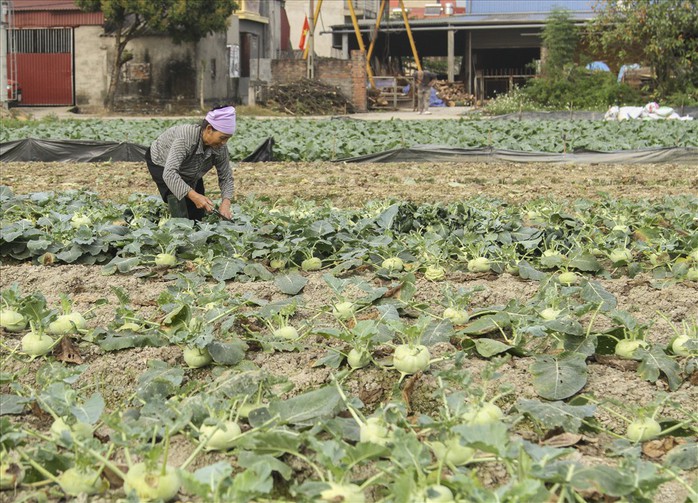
[
  {"x": 521, "y": 6},
  {"x": 24, "y": 5},
  {"x": 52, "y": 14},
  {"x": 56, "y": 19},
  {"x": 468, "y": 21}
]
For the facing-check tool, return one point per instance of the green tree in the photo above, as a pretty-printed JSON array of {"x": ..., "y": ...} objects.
[
  {"x": 560, "y": 41},
  {"x": 182, "y": 20},
  {"x": 664, "y": 33}
]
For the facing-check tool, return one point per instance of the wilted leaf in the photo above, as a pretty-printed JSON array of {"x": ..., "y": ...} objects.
[
  {"x": 563, "y": 440},
  {"x": 657, "y": 448},
  {"x": 68, "y": 352}
]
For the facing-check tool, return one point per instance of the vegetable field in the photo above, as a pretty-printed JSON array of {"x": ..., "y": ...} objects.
[
  {"x": 365, "y": 333},
  {"x": 316, "y": 140}
]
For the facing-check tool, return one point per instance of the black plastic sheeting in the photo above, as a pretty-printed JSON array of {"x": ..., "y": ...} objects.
[
  {"x": 31, "y": 149},
  {"x": 93, "y": 151},
  {"x": 433, "y": 153}
]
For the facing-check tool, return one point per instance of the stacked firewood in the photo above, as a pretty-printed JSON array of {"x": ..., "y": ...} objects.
[
  {"x": 306, "y": 97},
  {"x": 454, "y": 93}
]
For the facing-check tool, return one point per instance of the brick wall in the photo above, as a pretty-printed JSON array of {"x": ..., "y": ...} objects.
[{"x": 348, "y": 75}]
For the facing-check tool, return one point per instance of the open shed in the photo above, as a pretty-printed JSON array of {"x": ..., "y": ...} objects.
[{"x": 489, "y": 48}]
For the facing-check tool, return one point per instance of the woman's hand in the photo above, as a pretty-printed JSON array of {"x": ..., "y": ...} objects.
[
  {"x": 225, "y": 208},
  {"x": 200, "y": 201}
]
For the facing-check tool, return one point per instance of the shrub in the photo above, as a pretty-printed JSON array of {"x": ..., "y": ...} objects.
[
  {"x": 578, "y": 89},
  {"x": 516, "y": 100}
]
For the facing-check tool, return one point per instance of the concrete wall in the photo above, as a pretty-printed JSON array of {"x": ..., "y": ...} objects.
[
  {"x": 348, "y": 75},
  {"x": 160, "y": 75},
  {"x": 91, "y": 71},
  {"x": 214, "y": 55},
  {"x": 331, "y": 13}
]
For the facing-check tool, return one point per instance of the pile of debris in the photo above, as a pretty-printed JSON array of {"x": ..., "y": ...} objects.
[
  {"x": 306, "y": 97},
  {"x": 454, "y": 94}
]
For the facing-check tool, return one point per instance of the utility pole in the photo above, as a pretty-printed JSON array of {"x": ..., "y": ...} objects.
[
  {"x": 4, "y": 22},
  {"x": 311, "y": 40}
]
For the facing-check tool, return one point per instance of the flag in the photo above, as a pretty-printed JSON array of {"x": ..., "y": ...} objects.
[{"x": 304, "y": 34}]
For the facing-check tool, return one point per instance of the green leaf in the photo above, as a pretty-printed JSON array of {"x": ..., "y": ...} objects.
[
  {"x": 526, "y": 271},
  {"x": 596, "y": 294},
  {"x": 120, "y": 264},
  {"x": 363, "y": 451},
  {"x": 224, "y": 268},
  {"x": 160, "y": 380},
  {"x": 38, "y": 246},
  {"x": 491, "y": 437},
  {"x": 437, "y": 331},
  {"x": 112, "y": 341},
  {"x": 12, "y": 404},
  {"x": 291, "y": 283},
  {"x": 308, "y": 407},
  {"x": 490, "y": 347},
  {"x": 684, "y": 457},
  {"x": 556, "y": 414},
  {"x": 204, "y": 481},
  {"x": 585, "y": 262},
  {"x": 486, "y": 324},
  {"x": 653, "y": 362},
  {"x": 559, "y": 377},
  {"x": 607, "y": 480},
  {"x": 272, "y": 442},
  {"x": 253, "y": 481},
  {"x": 227, "y": 353},
  {"x": 248, "y": 459},
  {"x": 332, "y": 359},
  {"x": 583, "y": 345},
  {"x": 565, "y": 325},
  {"x": 90, "y": 411},
  {"x": 385, "y": 219},
  {"x": 257, "y": 271}
]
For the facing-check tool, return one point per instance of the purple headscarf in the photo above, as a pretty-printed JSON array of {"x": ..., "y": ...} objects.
[{"x": 222, "y": 119}]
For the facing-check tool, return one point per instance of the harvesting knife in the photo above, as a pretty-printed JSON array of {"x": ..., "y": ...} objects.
[{"x": 214, "y": 210}]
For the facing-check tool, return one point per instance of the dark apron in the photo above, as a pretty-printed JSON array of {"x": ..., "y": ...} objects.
[{"x": 183, "y": 208}]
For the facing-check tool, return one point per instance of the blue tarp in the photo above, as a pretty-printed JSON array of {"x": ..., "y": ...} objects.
[
  {"x": 625, "y": 68},
  {"x": 434, "y": 100},
  {"x": 598, "y": 66}
]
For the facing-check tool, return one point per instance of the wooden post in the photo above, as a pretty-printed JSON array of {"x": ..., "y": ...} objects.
[{"x": 451, "y": 37}]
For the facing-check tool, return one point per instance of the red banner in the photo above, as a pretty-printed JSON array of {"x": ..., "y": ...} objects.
[{"x": 304, "y": 34}]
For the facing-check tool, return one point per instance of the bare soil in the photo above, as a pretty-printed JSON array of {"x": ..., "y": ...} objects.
[{"x": 348, "y": 186}]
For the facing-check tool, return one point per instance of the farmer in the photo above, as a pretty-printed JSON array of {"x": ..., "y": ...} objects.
[
  {"x": 423, "y": 82},
  {"x": 180, "y": 157}
]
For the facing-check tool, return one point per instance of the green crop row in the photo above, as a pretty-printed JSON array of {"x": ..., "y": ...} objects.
[
  {"x": 605, "y": 238},
  {"x": 315, "y": 140}
]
